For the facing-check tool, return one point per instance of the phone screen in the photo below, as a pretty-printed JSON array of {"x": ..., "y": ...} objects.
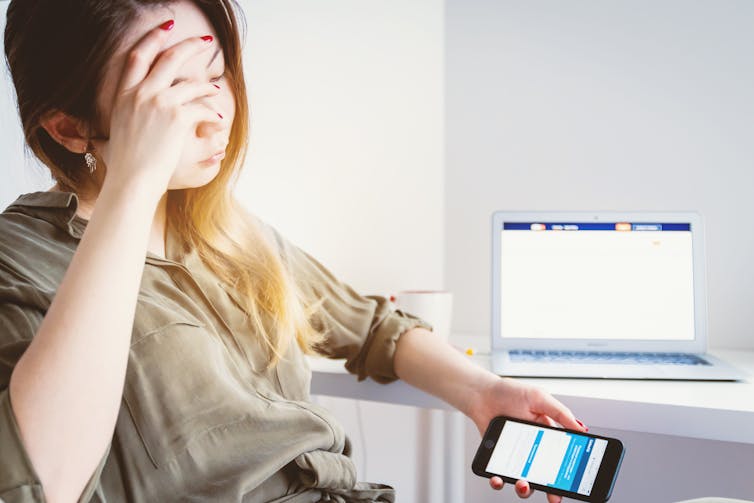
[{"x": 553, "y": 458}]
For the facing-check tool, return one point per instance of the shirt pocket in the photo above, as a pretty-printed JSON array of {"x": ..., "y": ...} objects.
[{"x": 180, "y": 382}]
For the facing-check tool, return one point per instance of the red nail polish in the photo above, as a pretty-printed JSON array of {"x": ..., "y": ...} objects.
[
  {"x": 216, "y": 86},
  {"x": 207, "y": 38},
  {"x": 219, "y": 115},
  {"x": 167, "y": 25}
]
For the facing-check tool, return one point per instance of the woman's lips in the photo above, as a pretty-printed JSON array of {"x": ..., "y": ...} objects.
[{"x": 219, "y": 156}]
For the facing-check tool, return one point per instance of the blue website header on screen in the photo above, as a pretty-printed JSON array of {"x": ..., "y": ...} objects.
[
  {"x": 592, "y": 226},
  {"x": 553, "y": 458}
]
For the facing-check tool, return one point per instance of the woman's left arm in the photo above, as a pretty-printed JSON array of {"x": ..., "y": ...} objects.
[{"x": 481, "y": 395}]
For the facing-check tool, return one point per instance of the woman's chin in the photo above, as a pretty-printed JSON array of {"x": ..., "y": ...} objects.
[{"x": 197, "y": 176}]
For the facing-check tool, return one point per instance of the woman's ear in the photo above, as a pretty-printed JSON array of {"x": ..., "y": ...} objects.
[{"x": 66, "y": 130}]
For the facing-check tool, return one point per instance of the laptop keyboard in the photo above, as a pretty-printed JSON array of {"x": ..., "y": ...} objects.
[{"x": 586, "y": 357}]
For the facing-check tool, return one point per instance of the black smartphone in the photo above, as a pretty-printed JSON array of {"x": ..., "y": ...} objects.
[{"x": 555, "y": 460}]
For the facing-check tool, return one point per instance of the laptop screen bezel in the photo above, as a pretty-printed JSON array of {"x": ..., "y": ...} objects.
[{"x": 697, "y": 345}]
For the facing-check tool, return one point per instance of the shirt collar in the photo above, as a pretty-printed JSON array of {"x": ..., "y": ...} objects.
[{"x": 59, "y": 209}]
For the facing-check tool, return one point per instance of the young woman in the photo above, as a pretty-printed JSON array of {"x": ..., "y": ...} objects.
[{"x": 152, "y": 332}]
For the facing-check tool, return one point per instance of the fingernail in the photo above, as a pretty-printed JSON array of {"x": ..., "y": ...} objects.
[
  {"x": 582, "y": 424},
  {"x": 207, "y": 38},
  {"x": 167, "y": 25}
]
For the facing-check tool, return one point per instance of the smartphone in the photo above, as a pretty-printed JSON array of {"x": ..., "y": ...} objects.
[{"x": 555, "y": 460}]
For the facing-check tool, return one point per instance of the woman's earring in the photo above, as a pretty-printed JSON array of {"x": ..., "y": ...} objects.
[{"x": 91, "y": 161}]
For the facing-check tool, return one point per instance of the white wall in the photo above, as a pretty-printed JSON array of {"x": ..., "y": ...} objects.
[
  {"x": 592, "y": 105},
  {"x": 346, "y": 152}
]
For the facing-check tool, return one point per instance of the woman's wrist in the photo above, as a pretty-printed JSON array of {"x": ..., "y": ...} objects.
[
  {"x": 480, "y": 396},
  {"x": 134, "y": 190}
]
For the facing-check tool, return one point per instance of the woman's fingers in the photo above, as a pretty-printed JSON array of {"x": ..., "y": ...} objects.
[
  {"x": 167, "y": 65},
  {"x": 199, "y": 112},
  {"x": 140, "y": 57},
  {"x": 188, "y": 91},
  {"x": 546, "y": 404},
  {"x": 523, "y": 489},
  {"x": 547, "y": 420}
]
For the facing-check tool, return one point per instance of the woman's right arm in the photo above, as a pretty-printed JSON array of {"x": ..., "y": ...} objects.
[{"x": 66, "y": 389}]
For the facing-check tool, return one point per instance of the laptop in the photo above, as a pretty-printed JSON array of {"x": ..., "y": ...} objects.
[{"x": 601, "y": 295}]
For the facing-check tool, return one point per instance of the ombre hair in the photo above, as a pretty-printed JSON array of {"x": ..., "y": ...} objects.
[{"x": 57, "y": 52}]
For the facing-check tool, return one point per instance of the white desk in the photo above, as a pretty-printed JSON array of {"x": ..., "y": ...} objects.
[
  {"x": 722, "y": 411},
  {"x": 708, "y": 410}
]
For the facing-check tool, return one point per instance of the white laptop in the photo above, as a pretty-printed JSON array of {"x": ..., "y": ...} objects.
[{"x": 604, "y": 294}]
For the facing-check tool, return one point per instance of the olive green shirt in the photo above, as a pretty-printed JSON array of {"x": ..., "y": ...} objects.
[{"x": 201, "y": 419}]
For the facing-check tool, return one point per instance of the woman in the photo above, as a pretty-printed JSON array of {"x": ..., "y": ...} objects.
[{"x": 179, "y": 377}]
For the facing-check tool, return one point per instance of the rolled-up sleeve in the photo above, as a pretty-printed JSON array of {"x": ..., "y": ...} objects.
[
  {"x": 363, "y": 329},
  {"x": 19, "y": 321}
]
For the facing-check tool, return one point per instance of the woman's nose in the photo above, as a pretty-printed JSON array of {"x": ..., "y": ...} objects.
[{"x": 206, "y": 129}]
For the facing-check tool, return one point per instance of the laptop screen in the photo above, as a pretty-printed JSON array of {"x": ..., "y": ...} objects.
[{"x": 589, "y": 280}]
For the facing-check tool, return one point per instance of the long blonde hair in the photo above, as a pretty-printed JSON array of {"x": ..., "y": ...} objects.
[{"x": 78, "y": 39}]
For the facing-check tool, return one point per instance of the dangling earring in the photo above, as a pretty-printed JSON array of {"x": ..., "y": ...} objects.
[{"x": 91, "y": 161}]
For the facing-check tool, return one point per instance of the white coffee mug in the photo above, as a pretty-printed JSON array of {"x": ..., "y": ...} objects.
[{"x": 433, "y": 306}]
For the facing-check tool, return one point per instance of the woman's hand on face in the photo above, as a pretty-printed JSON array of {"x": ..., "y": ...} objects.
[
  {"x": 508, "y": 397},
  {"x": 151, "y": 118}
]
